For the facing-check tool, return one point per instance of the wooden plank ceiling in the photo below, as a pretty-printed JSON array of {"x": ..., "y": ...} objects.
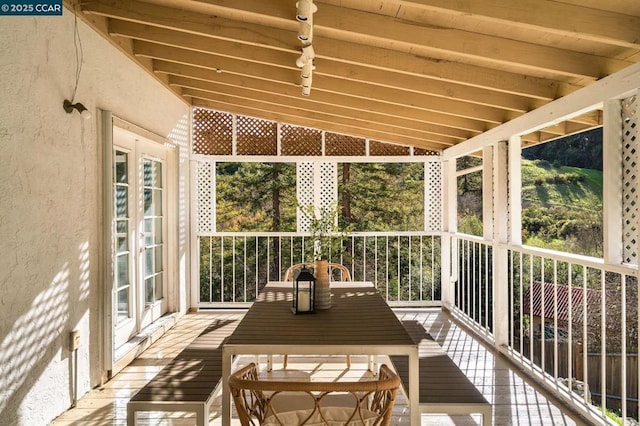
[{"x": 425, "y": 73}]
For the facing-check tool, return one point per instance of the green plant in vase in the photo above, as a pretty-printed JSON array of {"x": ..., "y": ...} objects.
[
  {"x": 323, "y": 227},
  {"x": 328, "y": 245}
]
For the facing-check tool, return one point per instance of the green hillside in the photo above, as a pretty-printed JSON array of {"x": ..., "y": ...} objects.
[
  {"x": 547, "y": 186},
  {"x": 562, "y": 207}
]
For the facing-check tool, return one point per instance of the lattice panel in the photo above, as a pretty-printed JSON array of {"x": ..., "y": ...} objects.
[
  {"x": 386, "y": 149},
  {"x": 630, "y": 162},
  {"x": 212, "y": 132},
  {"x": 256, "y": 137},
  {"x": 300, "y": 141},
  {"x": 305, "y": 192},
  {"x": 433, "y": 196},
  {"x": 206, "y": 197},
  {"x": 329, "y": 179},
  {"x": 342, "y": 145},
  {"x": 422, "y": 151}
]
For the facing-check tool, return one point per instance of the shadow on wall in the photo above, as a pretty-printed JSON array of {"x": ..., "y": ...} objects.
[
  {"x": 38, "y": 336},
  {"x": 34, "y": 345},
  {"x": 180, "y": 136}
]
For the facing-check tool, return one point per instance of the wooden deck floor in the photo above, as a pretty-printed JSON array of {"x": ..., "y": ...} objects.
[{"x": 515, "y": 400}]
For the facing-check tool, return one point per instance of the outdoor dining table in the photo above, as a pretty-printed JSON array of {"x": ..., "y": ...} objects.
[{"x": 359, "y": 322}]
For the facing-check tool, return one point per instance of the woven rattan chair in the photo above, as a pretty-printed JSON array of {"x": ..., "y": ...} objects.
[
  {"x": 345, "y": 275},
  {"x": 269, "y": 402}
]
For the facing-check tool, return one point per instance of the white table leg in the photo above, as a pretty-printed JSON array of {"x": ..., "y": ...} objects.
[
  {"x": 226, "y": 394},
  {"x": 373, "y": 364},
  {"x": 414, "y": 387}
]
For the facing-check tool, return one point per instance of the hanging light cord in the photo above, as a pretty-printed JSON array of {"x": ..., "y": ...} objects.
[
  {"x": 68, "y": 105},
  {"x": 79, "y": 54}
]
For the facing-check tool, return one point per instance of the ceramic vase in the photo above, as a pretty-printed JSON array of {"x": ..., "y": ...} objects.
[{"x": 323, "y": 292}]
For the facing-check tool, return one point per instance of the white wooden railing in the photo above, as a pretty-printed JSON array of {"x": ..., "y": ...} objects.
[
  {"x": 560, "y": 326},
  {"x": 589, "y": 342},
  {"x": 472, "y": 259},
  {"x": 234, "y": 267}
]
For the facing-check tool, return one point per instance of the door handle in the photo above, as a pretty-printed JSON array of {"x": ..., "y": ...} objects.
[{"x": 143, "y": 246}]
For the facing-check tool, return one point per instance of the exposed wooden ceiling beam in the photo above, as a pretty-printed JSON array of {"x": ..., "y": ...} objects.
[
  {"x": 430, "y": 72},
  {"x": 443, "y": 70},
  {"x": 460, "y": 46},
  {"x": 616, "y": 28},
  {"x": 355, "y": 89},
  {"x": 349, "y": 51},
  {"x": 574, "y": 105},
  {"x": 356, "y": 73},
  {"x": 212, "y": 62},
  {"x": 195, "y": 74},
  {"x": 376, "y": 30}
]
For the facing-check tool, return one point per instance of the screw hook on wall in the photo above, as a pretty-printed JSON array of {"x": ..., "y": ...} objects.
[{"x": 69, "y": 107}]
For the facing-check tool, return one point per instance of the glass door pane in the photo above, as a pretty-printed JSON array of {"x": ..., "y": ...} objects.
[
  {"x": 153, "y": 240},
  {"x": 123, "y": 249},
  {"x": 139, "y": 240}
]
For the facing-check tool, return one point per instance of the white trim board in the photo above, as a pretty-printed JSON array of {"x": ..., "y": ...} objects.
[{"x": 616, "y": 86}]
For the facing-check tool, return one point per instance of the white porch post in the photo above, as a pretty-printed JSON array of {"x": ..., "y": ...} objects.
[
  {"x": 515, "y": 190},
  {"x": 488, "y": 187},
  {"x": 612, "y": 178},
  {"x": 449, "y": 226},
  {"x": 500, "y": 238}
]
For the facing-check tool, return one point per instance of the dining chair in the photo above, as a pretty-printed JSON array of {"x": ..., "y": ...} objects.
[
  {"x": 262, "y": 401},
  {"x": 345, "y": 275}
]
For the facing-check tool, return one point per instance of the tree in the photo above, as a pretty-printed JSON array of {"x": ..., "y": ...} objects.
[
  {"x": 256, "y": 197},
  {"x": 382, "y": 196},
  {"x": 582, "y": 150},
  {"x": 469, "y": 197}
]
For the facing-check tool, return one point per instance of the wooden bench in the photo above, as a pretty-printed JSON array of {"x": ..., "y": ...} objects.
[
  {"x": 444, "y": 388},
  {"x": 189, "y": 381}
]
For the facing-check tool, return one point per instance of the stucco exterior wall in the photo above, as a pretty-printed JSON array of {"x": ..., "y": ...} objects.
[{"x": 50, "y": 204}]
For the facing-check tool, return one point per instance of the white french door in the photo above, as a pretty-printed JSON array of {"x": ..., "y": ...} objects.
[{"x": 140, "y": 234}]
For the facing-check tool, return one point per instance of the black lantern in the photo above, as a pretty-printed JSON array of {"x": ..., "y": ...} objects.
[{"x": 304, "y": 292}]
